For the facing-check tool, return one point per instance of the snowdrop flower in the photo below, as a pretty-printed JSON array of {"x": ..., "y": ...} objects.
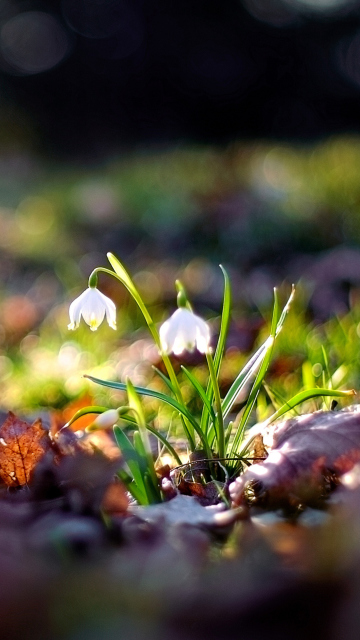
[
  {"x": 92, "y": 305},
  {"x": 184, "y": 331},
  {"x": 105, "y": 420}
]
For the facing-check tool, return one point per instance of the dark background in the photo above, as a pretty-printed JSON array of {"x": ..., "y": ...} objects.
[{"x": 103, "y": 75}]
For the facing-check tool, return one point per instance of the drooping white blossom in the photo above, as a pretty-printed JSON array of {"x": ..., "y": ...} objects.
[
  {"x": 93, "y": 306},
  {"x": 183, "y": 332},
  {"x": 106, "y": 420}
]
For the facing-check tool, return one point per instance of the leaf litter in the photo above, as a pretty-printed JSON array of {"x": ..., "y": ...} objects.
[
  {"x": 308, "y": 456},
  {"x": 22, "y": 446},
  {"x": 278, "y": 580}
]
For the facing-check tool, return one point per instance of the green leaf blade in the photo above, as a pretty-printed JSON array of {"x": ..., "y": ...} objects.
[
  {"x": 225, "y": 321},
  {"x": 224, "y": 328},
  {"x": 134, "y": 462},
  {"x": 197, "y": 386},
  {"x": 259, "y": 378},
  {"x": 308, "y": 394},
  {"x": 182, "y": 410}
]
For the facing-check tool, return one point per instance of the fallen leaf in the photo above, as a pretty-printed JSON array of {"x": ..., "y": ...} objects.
[
  {"x": 67, "y": 442},
  {"x": 84, "y": 478},
  {"x": 22, "y": 445},
  {"x": 59, "y": 418},
  {"x": 187, "y": 510},
  {"x": 260, "y": 452},
  {"x": 195, "y": 479},
  {"x": 207, "y": 494},
  {"x": 308, "y": 455},
  {"x": 115, "y": 499}
]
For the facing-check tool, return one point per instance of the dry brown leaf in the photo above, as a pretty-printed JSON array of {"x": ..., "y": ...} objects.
[
  {"x": 60, "y": 418},
  {"x": 115, "y": 499},
  {"x": 207, "y": 494},
  {"x": 187, "y": 510},
  {"x": 308, "y": 456},
  {"x": 260, "y": 452},
  {"x": 22, "y": 445}
]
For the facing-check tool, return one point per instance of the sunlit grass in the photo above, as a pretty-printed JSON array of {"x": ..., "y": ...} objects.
[
  {"x": 46, "y": 369},
  {"x": 300, "y": 197}
]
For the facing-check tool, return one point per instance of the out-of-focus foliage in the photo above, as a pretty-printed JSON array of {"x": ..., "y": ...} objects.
[{"x": 269, "y": 212}]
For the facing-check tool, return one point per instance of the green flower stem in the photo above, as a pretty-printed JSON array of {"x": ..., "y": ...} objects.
[
  {"x": 83, "y": 412},
  {"x": 146, "y": 442},
  {"x": 133, "y": 291},
  {"x": 220, "y": 434},
  {"x": 155, "y": 334},
  {"x": 182, "y": 300}
]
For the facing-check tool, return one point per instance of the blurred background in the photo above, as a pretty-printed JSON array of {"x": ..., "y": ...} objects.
[{"x": 176, "y": 135}]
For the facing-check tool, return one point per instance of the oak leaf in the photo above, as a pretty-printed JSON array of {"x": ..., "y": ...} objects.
[{"x": 22, "y": 445}]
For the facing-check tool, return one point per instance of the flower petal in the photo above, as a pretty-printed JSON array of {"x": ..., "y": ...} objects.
[
  {"x": 106, "y": 420},
  {"x": 93, "y": 310},
  {"x": 165, "y": 337},
  {"x": 110, "y": 311},
  {"x": 92, "y": 305},
  {"x": 183, "y": 331},
  {"x": 75, "y": 311},
  {"x": 203, "y": 335}
]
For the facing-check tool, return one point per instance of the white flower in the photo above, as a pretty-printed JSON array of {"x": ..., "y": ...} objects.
[
  {"x": 92, "y": 305},
  {"x": 184, "y": 331},
  {"x": 106, "y": 420}
]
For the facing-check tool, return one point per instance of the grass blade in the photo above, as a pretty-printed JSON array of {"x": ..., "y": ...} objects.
[
  {"x": 135, "y": 405},
  {"x": 197, "y": 386},
  {"x": 165, "y": 379},
  {"x": 252, "y": 398},
  {"x": 276, "y": 398},
  {"x": 132, "y": 487},
  {"x": 141, "y": 437},
  {"x": 224, "y": 328},
  {"x": 163, "y": 398},
  {"x": 166, "y": 443},
  {"x": 149, "y": 475},
  {"x": 242, "y": 379},
  {"x": 225, "y": 321},
  {"x": 307, "y": 395},
  {"x": 259, "y": 378},
  {"x": 253, "y": 364},
  {"x": 134, "y": 462},
  {"x": 219, "y": 422}
]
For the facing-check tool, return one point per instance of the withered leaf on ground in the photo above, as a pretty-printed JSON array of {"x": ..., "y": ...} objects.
[
  {"x": 308, "y": 455},
  {"x": 187, "y": 510},
  {"x": 22, "y": 445},
  {"x": 115, "y": 499}
]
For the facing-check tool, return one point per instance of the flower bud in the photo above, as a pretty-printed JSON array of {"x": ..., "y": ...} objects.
[{"x": 105, "y": 420}]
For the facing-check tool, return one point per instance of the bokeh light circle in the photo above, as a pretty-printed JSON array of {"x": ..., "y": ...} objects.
[
  {"x": 348, "y": 58},
  {"x": 97, "y": 18},
  {"x": 319, "y": 6},
  {"x": 33, "y": 42}
]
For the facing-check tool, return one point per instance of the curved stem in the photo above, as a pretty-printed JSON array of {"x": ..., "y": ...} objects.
[
  {"x": 155, "y": 334},
  {"x": 220, "y": 434}
]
